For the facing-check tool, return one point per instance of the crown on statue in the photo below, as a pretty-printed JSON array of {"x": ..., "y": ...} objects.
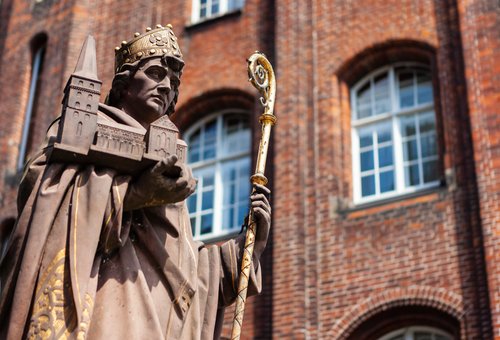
[{"x": 158, "y": 42}]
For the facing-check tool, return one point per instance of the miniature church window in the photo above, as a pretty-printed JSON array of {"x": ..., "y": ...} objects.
[
  {"x": 219, "y": 154},
  {"x": 394, "y": 139}
]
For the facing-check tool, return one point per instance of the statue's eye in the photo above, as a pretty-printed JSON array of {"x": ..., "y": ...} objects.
[{"x": 156, "y": 73}]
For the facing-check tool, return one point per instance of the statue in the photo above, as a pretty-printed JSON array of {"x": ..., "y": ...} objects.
[{"x": 102, "y": 247}]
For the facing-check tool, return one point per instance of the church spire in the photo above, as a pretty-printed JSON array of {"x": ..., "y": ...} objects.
[{"x": 87, "y": 65}]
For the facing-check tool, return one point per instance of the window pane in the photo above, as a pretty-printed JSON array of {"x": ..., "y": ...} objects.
[
  {"x": 203, "y": 12},
  {"x": 386, "y": 181},
  {"x": 424, "y": 87},
  {"x": 363, "y": 102},
  {"x": 408, "y": 126},
  {"x": 215, "y": 8},
  {"x": 192, "y": 220},
  {"x": 406, "y": 97},
  {"x": 242, "y": 213},
  {"x": 367, "y": 160},
  {"x": 210, "y": 140},
  {"x": 191, "y": 203},
  {"x": 367, "y": 185},
  {"x": 431, "y": 171},
  {"x": 207, "y": 200},
  {"x": 429, "y": 145},
  {"x": 385, "y": 156},
  {"x": 381, "y": 93},
  {"x": 365, "y": 140},
  {"x": 410, "y": 152},
  {"x": 423, "y": 336},
  {"x": 236, "y": 134},
  {"x": 411, "y": 175},
  {"x": 384, "y": 136},
  {"x": 194, "y": 147},
  {"x": 427, "y": 122},
  {"x": 206, "y": 223},
  {"x": 228, "y": 218}
]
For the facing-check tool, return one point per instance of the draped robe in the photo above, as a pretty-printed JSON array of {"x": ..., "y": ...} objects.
[{"x": 78, "y": 267}]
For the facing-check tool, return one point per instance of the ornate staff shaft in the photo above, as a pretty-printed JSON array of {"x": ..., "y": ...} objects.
[{"x": 262, "y": 77}]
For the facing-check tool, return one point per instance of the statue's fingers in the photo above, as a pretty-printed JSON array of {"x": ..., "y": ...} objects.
[{"x": 263, "y": 198}]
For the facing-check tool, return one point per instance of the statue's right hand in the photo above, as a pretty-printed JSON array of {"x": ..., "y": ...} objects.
[{"x": 168, "y": 181}]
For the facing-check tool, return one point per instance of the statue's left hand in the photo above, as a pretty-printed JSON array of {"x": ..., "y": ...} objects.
[
  {"x": 262, "y": 213},
  {"x": 169, "y": 181}
]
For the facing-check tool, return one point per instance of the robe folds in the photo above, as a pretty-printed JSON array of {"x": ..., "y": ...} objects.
[{"x": 79, "y": 267}]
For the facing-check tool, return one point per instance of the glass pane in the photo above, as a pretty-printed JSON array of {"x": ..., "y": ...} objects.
[
  {"x": 384, "y": 136},
  {"x": 367, "y": 160},
  {"x": 410, "y": 150},
  {"x": 208, "y": 180},
  {"x": 210, "y": 138},
  {"x": 381, "y": 93},
  {"x": 386, "y": 181},
  {"x": 203, "y": 12},
  {"x": 244, "y": 190},
  {"x": 215, "y": 8},
  {"x": 427, "y": 122},
  {"x": 242, "y": 213},
  {"x": 192, "y": 203},
  {"x": 429, "y": 145},
  {"x": 423, "y": 336},
  {"x": 408, "y": 126},
  {"x": 431, "y": 171},
  {"x": 363, "y": 102},
  {"x": 236, "y": 135},
  {"x": 194, "y": 147},
  {"x": 207, "y": 200},
  {"x": 193, "y": 225},
  {"x": 411, "y": 175},
  {"x": 365, "y": 140},
  {"x": 385, "y": 156},
  {"x": 424, "y": 87},
  {"x": 203, "y": 2},
  {"x": 367, "y": 185},
  {"x": 228, "y": 218},
  {"x": 206, "y": 224},
  {"x": 406, "y": 97}
]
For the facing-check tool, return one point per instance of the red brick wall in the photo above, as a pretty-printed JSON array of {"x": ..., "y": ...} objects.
[{"x": 332, "y": 268}]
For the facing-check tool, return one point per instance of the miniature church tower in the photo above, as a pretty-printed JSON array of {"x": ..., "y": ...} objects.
[{"x": 80, "y": 103}]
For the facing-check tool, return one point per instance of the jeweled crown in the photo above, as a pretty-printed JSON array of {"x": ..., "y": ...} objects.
[{"x": 158, "y": 42}]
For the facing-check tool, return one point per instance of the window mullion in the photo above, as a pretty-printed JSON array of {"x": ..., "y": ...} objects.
[
  {"x": 198, "y": 207},
  {"x": 218, "y": 189}
]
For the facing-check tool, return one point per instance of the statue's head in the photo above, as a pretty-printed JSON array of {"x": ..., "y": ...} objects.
[{"x": 147, "y": 74}]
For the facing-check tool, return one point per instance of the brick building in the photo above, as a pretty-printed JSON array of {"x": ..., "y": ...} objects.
[{"x": 384, "y": 162}]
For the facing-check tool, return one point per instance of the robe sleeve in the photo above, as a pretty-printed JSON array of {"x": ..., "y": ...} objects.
[{"x": 231, "y": 253}]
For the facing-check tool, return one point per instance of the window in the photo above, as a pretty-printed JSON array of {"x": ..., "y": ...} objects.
[
  {"x": 219, "y": 154},
  {"x": 394, "y": 133},
  {"x": 205, "y": 9},
  {"x": 417, "y": 333},
  {"x": 36, "y": 70}
]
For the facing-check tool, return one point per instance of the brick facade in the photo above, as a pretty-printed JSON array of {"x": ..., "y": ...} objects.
[{"x": 332, "y": 269}]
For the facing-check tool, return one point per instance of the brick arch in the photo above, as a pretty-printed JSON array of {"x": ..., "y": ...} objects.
[
  {"x": 439, "y": 299},
  {"x": 384, "y": 53},
  {"x": 197, "y": 107}
]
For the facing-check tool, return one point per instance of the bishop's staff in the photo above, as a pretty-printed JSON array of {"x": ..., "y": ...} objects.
[{"x": 261, "y": 75}]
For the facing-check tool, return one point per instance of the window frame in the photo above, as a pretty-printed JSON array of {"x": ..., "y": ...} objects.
[
  {"x": 223, "y": 9},
  {"x": 393, "y": 118},
  {"x": 408, "y": 332},
  {"x": 218, "y": 232}
]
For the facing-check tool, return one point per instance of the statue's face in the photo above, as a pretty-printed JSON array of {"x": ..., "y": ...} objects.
[{"x": 150, "y": 92}]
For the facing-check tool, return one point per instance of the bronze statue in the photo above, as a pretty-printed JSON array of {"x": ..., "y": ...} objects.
[{"x": 102, "y": 247}]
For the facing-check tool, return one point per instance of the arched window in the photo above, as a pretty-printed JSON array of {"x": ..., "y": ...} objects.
[
  {"x": 394, "y": 140},
  {"x": 219, "y": 154},
  {"x": 417, "y": 333},
  {"x": 39, "y": 45}
]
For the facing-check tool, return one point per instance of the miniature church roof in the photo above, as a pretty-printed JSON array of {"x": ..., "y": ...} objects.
[
  {"x": 87, "y": 65},
  {"x": 165, "y": 122}
]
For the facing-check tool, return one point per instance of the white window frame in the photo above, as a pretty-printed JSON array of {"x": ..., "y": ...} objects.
[
  {"x": 217, "y": 162},
  {"x": 409, "y": 332},
  {"x": 224, "y": 7},
  {"x": 391, "y": 118}
]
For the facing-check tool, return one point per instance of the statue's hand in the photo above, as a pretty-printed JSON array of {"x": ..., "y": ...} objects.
[
  {"x": 166, "y": 182},
  {"x": 262, "y": 214}
]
